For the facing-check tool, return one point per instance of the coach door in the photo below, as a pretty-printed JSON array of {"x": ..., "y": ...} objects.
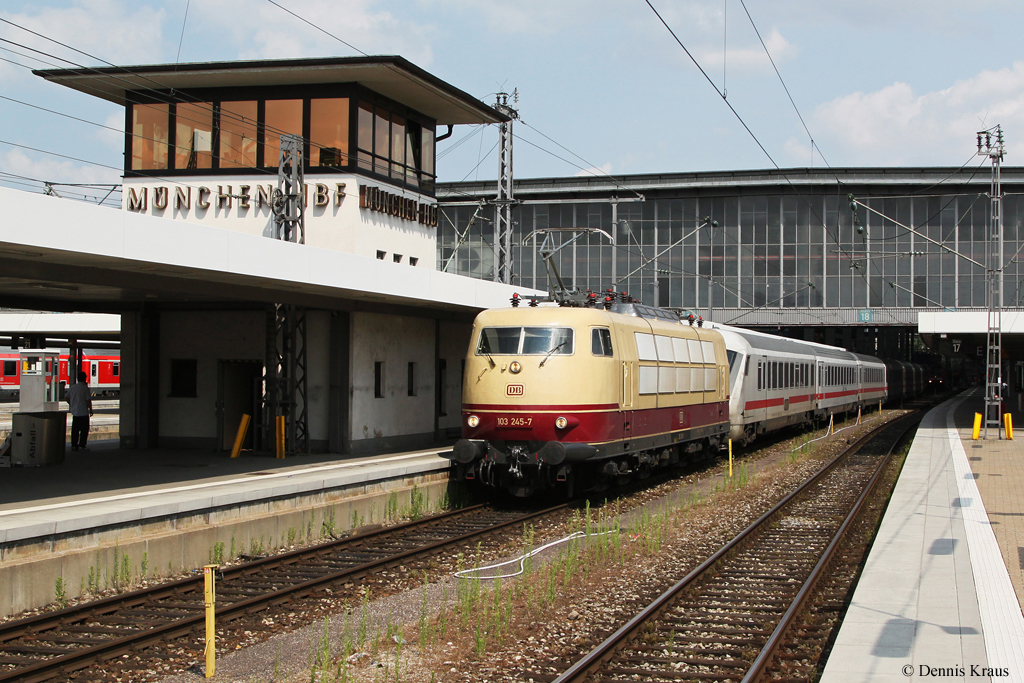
[
  {"x": 763, "y": 384},
  {"x": 819, "y": 382}
]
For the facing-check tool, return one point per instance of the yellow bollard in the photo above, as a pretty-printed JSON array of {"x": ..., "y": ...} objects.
[
  {"x": 280, "y": 437},
  {"x": 210, "y": 600},
  {"x": 1008, "y": 421},
  {"x": 977, "y": 427},
  {"x": 730, "y": 457},
  {"x": 243, "y": 427}
]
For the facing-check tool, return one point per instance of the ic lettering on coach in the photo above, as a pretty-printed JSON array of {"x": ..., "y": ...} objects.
[{"x": 514, "y": 390}]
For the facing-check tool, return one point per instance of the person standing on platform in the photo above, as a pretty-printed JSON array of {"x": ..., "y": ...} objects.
[{"x": 79, "y": 399}]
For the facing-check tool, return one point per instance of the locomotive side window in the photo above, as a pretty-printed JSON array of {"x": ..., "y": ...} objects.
[
  {"x": 648, "y": 379},
  {"x": 682, "y": 380},
  {"x": 696, "y": 356},
  {"x": 664, "y": 346},
  {"x": 709, "y": 351},
  {"x": 680, "y": 350},
  {"x": 601, "y": 341},
  {"x": 645, "y": 348}
]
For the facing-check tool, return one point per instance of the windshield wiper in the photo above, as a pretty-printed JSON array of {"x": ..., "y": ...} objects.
[
  {"x": 484, "y": 346},
  {"x": 551, "y": 352}
]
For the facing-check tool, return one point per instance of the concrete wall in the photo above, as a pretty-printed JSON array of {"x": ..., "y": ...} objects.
[
  {"x": 396, "y": 420},
  {"x": 452, "y": 345},
  {"x": 207, "y": 336},
  {"x": 338, "y": 226},
  {"x": 344, "y": 414}
]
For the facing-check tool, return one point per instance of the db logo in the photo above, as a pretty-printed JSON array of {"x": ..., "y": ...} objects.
[{"x": 514, "y": 390}]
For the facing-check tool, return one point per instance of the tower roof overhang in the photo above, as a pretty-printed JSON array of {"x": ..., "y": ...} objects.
[{"x": 391, "y": 76}]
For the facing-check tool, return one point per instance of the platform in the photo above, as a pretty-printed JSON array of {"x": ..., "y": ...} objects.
[
  {"x": 937, "y": 597},
  {"x": 158, "y": 513},
  {"x": 107, "y": 486}
]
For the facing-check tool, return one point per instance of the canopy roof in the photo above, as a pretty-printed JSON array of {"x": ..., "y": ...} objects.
[{"x": 391, "y": 76}]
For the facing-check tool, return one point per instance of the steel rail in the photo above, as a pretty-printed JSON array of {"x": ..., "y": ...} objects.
[
  {"x": 78, "y": 659},
  {"x": 757, "y": 669},
  {"x": 597, "y": 657}
]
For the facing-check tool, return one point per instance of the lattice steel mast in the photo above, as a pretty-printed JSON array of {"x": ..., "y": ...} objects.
[
  {"x": 504, "y": 201},
  {"x": 990, "y": 144},
  {"x": 285, "y": 381}
]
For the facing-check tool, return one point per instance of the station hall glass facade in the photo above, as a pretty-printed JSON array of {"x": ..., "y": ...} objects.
[{"x": 759, "y": 248}]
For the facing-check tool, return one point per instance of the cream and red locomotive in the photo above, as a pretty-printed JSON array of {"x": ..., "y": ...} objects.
[{"x": 584, "y": 396}]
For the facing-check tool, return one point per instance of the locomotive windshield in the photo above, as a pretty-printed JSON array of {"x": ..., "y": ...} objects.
[{"x": 535, "y": 341}]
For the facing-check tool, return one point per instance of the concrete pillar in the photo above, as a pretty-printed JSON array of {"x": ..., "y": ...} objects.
[
  {"x": 139, "y": 421},
  {"x": 339, "y": 367}
]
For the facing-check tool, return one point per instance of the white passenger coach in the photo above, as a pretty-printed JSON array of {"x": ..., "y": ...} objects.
[{"x": 777, "y": 381}]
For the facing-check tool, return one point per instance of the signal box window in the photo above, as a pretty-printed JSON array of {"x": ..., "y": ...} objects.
[
  {"x": 238, "y": 134},
  {"x": 184, "y": 377},
  {"x": 150, "y": 128},
  {"x": 601, "y": 341},
  {"x": 281, "y": 117},
  {"x": 193, "y": 136},
  {"x": 328, "y": 132}
]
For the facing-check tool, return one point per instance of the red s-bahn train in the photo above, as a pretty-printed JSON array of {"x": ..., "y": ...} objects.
[{"x": 104, "y": 374}]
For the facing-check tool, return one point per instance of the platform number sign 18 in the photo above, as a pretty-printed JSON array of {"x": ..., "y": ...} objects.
[{"x": 864, "y": 315}]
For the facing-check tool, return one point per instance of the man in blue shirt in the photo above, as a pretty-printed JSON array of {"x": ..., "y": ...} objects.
[{"x": 79, "y": 399}]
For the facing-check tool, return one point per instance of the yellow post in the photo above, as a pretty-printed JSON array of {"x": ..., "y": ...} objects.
[
  {"x": 977, "y": 427},
  {"x": 1008, "y": 421},
  {"x": 730, "y": 457},
  {"x": 280, "y": 437},
  {"x": 243, "y": 427},
  {"x": 210, "y": 599},
  {"x": 858, "y": 414}
]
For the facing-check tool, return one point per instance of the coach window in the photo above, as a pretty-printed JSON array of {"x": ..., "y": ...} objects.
[
  {"x": 10, "y": 368},
  {"x": 115, "y": 368},
  {"x": 193, "y": 135},
  {"x": 328, "y": 132},
  {"x": 238, "y": 134},
  {"x": 281, "y": 117},
  {"x": 150, "y": 126},
  {"x": 601, "y": 341}
]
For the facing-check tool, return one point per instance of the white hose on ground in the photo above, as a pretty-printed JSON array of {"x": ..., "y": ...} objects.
[{"x": 523, "y": 558}]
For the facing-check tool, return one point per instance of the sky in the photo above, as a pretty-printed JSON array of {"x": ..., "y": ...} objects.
[{"x": 603, "y": 87}]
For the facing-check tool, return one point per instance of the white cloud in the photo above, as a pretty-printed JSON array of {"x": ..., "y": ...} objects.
[
  {"x": 55, "y": 170},
  {"x": 751, "y": 56},
  {"x": 114, "y": 139},
  {"x": 116, "y": 31},
  {"x": 895, "y": 125},
  {"x": 602, "y": 170},
  {"x": 263, "y": 31}
]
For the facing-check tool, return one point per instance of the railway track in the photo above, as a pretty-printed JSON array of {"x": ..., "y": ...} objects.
[
  {"x": 726, "y": 619},
  {"x": 57, "y": 644}
]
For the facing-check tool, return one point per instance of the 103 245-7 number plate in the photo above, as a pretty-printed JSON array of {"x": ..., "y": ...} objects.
[{"x": 514, "y": 421}]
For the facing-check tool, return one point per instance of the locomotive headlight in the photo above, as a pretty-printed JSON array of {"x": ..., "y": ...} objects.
[
  {"x": 561, "y": 422},
  {"x": 473, "y": 421}
]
